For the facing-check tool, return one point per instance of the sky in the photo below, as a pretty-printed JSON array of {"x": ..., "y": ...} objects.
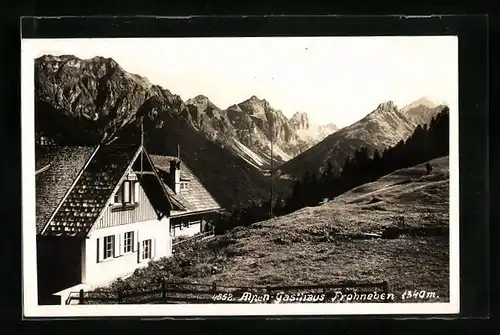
[{"x": 332, "y": 79}]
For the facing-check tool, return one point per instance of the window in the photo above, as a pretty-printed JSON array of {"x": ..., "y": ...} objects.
[
  {"x": 128, "y": 242},
  {"x": 128, "y": 193},
  {"x": 146, "y": 249},
  {"x": 109, "y": 246},
  {"x": 184, "y": 185}
]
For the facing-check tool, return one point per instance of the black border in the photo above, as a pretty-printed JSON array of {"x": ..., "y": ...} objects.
[
  {"x": 243, "y": 26},
  {"x": 473, "y": 80}
]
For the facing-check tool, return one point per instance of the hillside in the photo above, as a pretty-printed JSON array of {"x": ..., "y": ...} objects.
[
  {"x": 322, "y": 244},
  {"x": 96, "y": 101},
  {"x": 382, "y": 128}
]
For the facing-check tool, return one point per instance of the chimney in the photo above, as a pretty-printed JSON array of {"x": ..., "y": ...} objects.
[{"x": 175, "y": 175}]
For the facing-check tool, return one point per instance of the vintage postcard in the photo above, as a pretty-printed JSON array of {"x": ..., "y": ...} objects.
[{"x": 240, "y": 176}]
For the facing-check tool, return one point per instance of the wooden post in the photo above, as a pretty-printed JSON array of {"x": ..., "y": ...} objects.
[
  {"x": 386, "y": 290},
  {"x": 80, "y": 297},
  {"x": 163, "y": 289}
]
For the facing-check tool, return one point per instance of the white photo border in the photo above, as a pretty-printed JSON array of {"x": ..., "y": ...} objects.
[{"x": 30, "y": 49}]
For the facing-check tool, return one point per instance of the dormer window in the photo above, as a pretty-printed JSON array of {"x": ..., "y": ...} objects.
[
  {"x": 127, "y": 196},
  {"x": 184, "y": 185}
]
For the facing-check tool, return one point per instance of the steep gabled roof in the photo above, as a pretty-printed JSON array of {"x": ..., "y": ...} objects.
[
  {"x": 196, "y": 198},
  {"x": 85, "y": 184},
  {"x": 155, "y": 189}
]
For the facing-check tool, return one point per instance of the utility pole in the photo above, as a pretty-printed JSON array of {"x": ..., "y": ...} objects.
[
  {"x": 142, "y": 145},
  {"x": 272, "y": 179}
]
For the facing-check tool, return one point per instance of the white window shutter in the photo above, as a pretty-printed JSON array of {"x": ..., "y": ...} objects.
[
  {"x": 136, "y": 192},
  {"x": 135, "y": 241},
  {"x": 153, "y": 248},
  {"x": 116, "y": 245},
  {"x": 120, "y": 236},
  {"x": 126, "y": 191}
]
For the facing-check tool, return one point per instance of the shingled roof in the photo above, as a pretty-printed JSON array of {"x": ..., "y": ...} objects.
[
  {"x": 64, "y": 165},
  {"x": 196, "y": 198},
  {"x": 80, "y": 181}
]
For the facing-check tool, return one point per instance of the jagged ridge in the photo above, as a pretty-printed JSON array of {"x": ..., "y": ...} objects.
[
  {"x": 249, "y": 127},
  {"x": 383, "y": 127}
]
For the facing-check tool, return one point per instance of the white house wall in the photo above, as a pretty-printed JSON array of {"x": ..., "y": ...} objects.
[{"x": 99, "y": 271}]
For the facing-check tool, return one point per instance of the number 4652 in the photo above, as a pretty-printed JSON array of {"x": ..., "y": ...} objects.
[{"x": 222, "y": 296}]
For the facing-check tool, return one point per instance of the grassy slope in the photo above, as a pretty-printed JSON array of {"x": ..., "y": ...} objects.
[{"x": 299, "y": 248}]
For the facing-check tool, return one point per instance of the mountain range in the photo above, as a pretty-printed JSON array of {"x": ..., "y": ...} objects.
[
  {"x": 251, "y": 127},
  {"x": 89, "y": 101},
  {"x": 383, "y": 127}
]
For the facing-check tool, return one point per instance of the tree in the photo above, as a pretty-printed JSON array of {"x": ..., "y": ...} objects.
[
  {"x": 376, "y": 165},
  {"x": 347, "y": 167},
  {"x": 328, "y": 172},
  {"x": 279, "y": 206}
]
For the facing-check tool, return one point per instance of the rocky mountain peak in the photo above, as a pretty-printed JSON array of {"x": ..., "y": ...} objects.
[
  {"x": 200, "y": 100},
  {"x": 300, "y": 120},
  {"x": 255, "y": 100},
  {"x": 200, "y": 97},
  {"x": 387, "y": 105},
  {"x": 107, "y": 60},
  {"x": 423, "y": 101},
  {"x": 255, "y": 106},
  {"x": 386, "y": 109}
]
